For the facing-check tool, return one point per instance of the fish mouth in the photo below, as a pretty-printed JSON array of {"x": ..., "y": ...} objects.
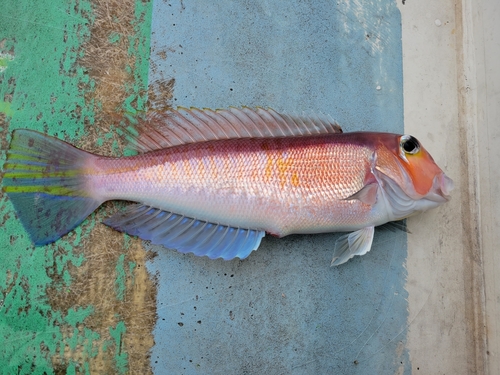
[
  {"x": 441, "y": 188},
  {"x": 402, "y": 203},
  {"x": 446, "y": 184}
]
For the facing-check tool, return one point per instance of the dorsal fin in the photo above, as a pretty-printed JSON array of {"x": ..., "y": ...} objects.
[{"x": 182, "y": 125}]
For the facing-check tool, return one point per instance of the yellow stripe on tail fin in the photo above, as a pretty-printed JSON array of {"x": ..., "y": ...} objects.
[{"x": 44, "y": 180}]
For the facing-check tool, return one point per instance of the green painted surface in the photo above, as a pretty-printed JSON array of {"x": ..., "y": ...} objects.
[
  {"x": 120, "y": 356},
  {"x": 42, "y": 87},
  {"x": 5, "y": 59},
  {"x": 5, "y": 108}
]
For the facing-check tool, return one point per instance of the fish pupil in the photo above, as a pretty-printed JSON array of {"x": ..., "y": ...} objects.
[{"x": 410, "y": 145}]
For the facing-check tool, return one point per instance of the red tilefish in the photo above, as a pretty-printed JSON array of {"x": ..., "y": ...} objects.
[{"x": 213, "y": 183}]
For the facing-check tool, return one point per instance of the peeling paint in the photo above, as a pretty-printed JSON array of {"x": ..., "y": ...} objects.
[
  {"x": 121, "y": 357},
  {"x": 6, "y": 109},
  {"x": 120, "y": 278},
  {"x": 31, "y": 331},
  {"x": 5, "y": 59},
  {"x": 43, "y": 329}
]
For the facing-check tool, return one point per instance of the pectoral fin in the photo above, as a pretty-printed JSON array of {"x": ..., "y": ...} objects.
[
  {"x": 368, "y": 194},
  {"x": 355, "y": 243}
]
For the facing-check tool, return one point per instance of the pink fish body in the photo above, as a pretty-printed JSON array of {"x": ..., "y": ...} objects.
[{"x": 213, "y": 183}]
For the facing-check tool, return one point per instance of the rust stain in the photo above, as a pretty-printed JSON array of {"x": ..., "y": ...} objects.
[
  {"x": 160, "y": 94},
  {"x": 93, "y": 285},
  {"x": 7, "y": 98},
  {"x": 110, "y": 66}
]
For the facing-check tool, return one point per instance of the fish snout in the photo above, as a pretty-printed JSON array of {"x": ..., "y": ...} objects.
[{"x": 444, "y": 185}]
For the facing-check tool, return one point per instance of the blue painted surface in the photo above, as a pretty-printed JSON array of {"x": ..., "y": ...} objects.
[{"x": 284, "y": 310}]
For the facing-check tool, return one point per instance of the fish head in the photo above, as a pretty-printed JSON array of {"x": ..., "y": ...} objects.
[{"x": 411, "y": 179}]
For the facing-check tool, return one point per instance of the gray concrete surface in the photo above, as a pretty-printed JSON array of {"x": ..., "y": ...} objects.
[{"x": 284, "y": 310}]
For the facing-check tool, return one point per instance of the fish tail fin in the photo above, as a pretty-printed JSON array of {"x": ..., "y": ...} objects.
[{"x": 44, "y": 179}]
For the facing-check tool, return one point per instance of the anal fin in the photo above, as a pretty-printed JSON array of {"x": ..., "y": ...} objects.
[
  {"x": 186, "y": 235},
  {"x": 355, "y": 243}
]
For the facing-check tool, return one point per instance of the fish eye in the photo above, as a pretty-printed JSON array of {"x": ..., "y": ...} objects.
[{"x": 409, "y": 144}]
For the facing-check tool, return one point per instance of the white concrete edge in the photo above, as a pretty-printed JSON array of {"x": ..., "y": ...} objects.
[
  {"x": 483, "y": 53},
  {"x": 446, "y": 324},
  {"x": 468, "y": 40}
]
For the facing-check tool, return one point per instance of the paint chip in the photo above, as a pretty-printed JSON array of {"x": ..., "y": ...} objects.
[{"x": 5, "y": 59}]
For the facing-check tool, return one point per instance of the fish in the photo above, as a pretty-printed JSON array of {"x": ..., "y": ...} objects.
[{"x": 215, "y": 182}]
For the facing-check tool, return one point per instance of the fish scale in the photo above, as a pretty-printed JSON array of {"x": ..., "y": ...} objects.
[{"x": 256, "y": 178}]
